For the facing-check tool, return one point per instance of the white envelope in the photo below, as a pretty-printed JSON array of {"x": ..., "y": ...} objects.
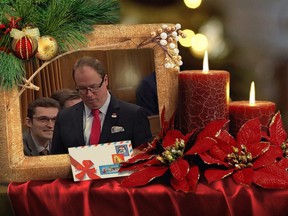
[{"x": 99, "y": 161}]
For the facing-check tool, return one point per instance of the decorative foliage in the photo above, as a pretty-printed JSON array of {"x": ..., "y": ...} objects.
[
  {"x": 278, "y": 137},
  {"x": 251, "y": 157},
  {"x": 11, "y": 70},
  {"x": 242, "y": 158},
  {"x": 65, "y": 20},
  {"x": 169, "y": 154},
  {"x": 164, "y": 154},
  {"x": 167, "y": 37}
]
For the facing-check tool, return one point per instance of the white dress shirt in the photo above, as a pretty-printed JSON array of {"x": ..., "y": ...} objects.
[{"x": 39, "y": 147}]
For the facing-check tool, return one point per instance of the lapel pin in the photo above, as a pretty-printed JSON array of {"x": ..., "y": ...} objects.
[{"x": 114, "y": 115}]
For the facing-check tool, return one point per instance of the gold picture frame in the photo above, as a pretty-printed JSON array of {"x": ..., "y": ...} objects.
[{"x": 16, "y": 167}]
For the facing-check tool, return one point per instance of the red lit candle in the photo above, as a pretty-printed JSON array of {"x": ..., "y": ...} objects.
[
  {"x": 242, "y": 111},
  {"x": 203, "y": 97}
]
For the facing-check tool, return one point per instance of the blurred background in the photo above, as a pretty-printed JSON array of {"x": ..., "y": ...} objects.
[{"x": 247, "y": 38}]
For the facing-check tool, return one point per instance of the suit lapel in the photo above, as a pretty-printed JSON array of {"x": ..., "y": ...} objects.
[
  {"x": 78, "y": 123},
  {"x": 111, "y": 119},
  {"x": 30, "y": 143}
]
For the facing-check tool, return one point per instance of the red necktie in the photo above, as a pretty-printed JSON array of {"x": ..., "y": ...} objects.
[{"x": 96, "y": 127}]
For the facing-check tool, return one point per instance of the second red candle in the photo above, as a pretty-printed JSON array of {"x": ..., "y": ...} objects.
[{"x": 241, "y": 111}]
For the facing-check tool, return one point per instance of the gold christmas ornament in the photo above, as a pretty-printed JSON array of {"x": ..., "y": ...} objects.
[{"x": 47, "y": 48}]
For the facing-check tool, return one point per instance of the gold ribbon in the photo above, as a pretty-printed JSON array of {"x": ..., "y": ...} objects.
[{"x": 30, "y": 32}]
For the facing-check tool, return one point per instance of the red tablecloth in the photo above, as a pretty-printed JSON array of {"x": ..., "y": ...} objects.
[{"x": 107, "y": 197}]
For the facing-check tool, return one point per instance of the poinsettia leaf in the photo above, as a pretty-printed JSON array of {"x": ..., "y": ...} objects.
[
  {"x": 208, "y": 159},
  {"x": 179, "y": 168},
  {"x": 226, "y": 137},
  {"x": 153, "y": 162},
  {"x": 284, "y": 163},
  {"x": 216, "y": 174},
  {"x": 170, "y": 138},
  {"x": 188, "y": 183},
  {"x": 139, "y": 166},
  {"x": 166, "y": 125},
  {"x": 276, "y": 130},
  {"x": 146, "y": 147},
  {"x": 179, "y": 185},
  {"x": 250, "y": 132},
  {"x": 270, "y": 157},
  {"x": 244, "y": 176},
  {"x": 171, "y": 121},
  {"x": 265, "y": 136},
  {"x": 221, "y": 150},
  {"x": 193, "y": 177},
  {"x": 140, "y": 157},
  {"x": 257, "y": 149},
  {"x": 201, "y": 146},
  {"x": 212, "y": 129},
  {"x": 188, "y": 135},
  {"x": 134, "y": 167},
  {"x": 144, "y": 176},
  {"x": 274, "y": 177}
]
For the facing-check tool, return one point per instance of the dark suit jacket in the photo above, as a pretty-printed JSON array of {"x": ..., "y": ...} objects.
[
  {"x": 68, "y": 131},
  {"x": 29, "y": 145},
  {"x": 146, "y": 95}
]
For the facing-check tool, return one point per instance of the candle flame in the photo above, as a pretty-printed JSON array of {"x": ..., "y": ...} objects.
[
  {"x": 205, "y": 63},
  {"x": 252, "y": 94}
]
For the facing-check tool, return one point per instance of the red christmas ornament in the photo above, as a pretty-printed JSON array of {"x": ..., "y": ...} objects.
[{"x": 24, "y": 48}]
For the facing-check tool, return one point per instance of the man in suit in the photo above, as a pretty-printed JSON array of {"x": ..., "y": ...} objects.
[
  {"x": 119, "y": 120},
  {"x": 40, "y": 120}
]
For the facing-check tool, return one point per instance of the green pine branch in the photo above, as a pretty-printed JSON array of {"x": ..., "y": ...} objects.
[
  {"x": 69, "y": 20},
  {"x": 11, "y": 70},
  {"x": 66, "y": 20}
]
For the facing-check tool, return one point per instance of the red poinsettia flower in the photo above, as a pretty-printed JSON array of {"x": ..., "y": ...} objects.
[
  {"x": 247, "y": 159},
  {"x": 278, "y": 137},
  {"x": 168, "y": 153},
  {"x": 156, "y": 162},
  {"x": 165, "y": 154},
  {"x": 205, "y": 140}
]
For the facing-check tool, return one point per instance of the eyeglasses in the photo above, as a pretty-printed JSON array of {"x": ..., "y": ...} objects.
[
  {"x": 45, "y": 119},
  {"x": 93, "y": 88}
]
